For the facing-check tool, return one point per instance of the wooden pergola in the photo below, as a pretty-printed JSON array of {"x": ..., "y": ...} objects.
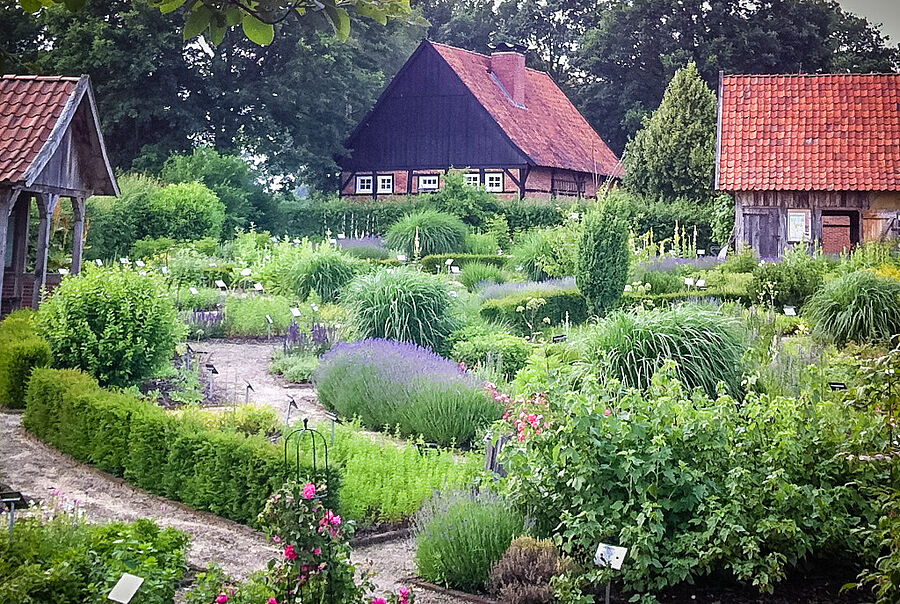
[{"x": 50, "y": 147}]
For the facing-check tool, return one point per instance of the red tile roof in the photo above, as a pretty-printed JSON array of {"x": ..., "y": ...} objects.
[
  {"x": 549, "y": 129},
  {"x": 30, "y": 107},
  {"x": 809, "y": 132}
]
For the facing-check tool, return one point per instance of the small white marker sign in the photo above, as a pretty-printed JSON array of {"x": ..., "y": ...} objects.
[
  {"x": 269, "y": 319},
  {"x": 245, "y": 272},
  {"x": 125, "y": 261},
  {"x": 701, "y": 252},
  {"x": 701, "y": 283},
  {"x": 164, "y": 270},
  {"x": 610, "y": 556},
  {"x": 193, "y": 291},
  {"x": 125, "y": 589},
  {"x": 220, "y": 284},
  {"x": 341, "y": 236},
  {"x": 258, "y": 287},
  {"x": 401, "y": 257},
  {"x": 139, "y": 263},
  {"x": 98, "y": 262},
  {"x": 790, "y": 311},
  {"x": 689, "y": 281},
  {"x": 454, "y": 270},
  {"x": 295, "y": 312},
  {"x": 448, "y": 261},
  {"x": 63, "y": 271}
]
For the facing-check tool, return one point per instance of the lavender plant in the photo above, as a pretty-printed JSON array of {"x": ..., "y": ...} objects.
[{"x": 395, "y": 384}]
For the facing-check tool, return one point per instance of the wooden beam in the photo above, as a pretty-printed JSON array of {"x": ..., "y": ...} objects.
[
  {"x": 77, "y": 233},
  {"x": 46, "y": 204},
  {"x": 7, "y": 199},
  {"x": 22, "y": 212}
]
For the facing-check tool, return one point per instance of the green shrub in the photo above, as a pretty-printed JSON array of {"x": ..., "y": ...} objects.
[
  {"x": 151, "y": 247},
  {"x": 206, "y": 298},
  {"x": 712, "y": 488},
  {"x": 297, "y": 368},
  {"x": 744, "y": 261},
  {"x": 185, "y": 211},
  {"x": 483, "y": 244},
  {"x": 325, "y": 272},
  {"x": 393, "y": 384},
  {"x": 20, "y": 352},
  {"x": 117, "y": 223},
  {"x": 473, "y": 205},
  {"x": 246, "y": 316},
  {"x": 788, "y": 282},
  {"x": 508, "y": 351},
  {"x": 523, "y": 215},
  {"x": 460, "y": 536},
  {"x": 660, "y": 282},
  {"x": 603, "y": 257},
  {"x": 478, "y": 272},
  {"x": 661, "y": 218},
  {"x": 64, "y": 560},
  {"x": 705, "y": 345},
  {"x": 318, "y": 216},
  {"x": 860, "y": 307},
  {"x": 526, "y": 312},
  {"x": 114, "y": 323},
  {"x": 427, "y": 232},
  {"x": 401, "y": 304},
  {"x": 436, "y": 263}
]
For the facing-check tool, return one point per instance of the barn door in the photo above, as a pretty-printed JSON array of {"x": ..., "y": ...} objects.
[{"x": 762, "y": 231}]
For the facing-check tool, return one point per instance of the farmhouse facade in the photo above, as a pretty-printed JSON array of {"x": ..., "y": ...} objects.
[
  {"x": 810, "y": 158},
  {"x": 509, "y": 128},
  {"x": 50, "y": 147}
]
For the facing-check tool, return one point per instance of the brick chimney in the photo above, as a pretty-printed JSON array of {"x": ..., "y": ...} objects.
[{"x": 508, "y": 65}]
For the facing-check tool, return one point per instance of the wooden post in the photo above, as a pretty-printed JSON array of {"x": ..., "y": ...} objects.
[
  {"x": 20, "y": 251},
  {"x": 6, "y": 200},
  {"x": 46, "y": 203},
  {"x": 77, "y": 233}
]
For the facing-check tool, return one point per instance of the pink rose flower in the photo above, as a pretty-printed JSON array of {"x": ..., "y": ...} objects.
[
  {"x": 309, "y": 491},
  {"x": 276, "y": 539},
  {"x": 317, "y": 551},
  {"x": 289, "y": 552},
  {"x": 221, "y": 599},
  {"x": 271, "y": 601},
  {"x": 607, "y": 413},
  {"x": 379, "y": 601}
]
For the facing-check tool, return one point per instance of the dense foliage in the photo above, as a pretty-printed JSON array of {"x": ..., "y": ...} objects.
[
  {"x": 388, "y": 384},
  {"x": 459, "y": 536},
  {"x": 713, "y": 487},
  {"x": 603, "y": 257},
  {"x": 20, "y": 352},
  {"x": 790, "y": 280},
  {"x": 523, "y": 574},
  {"x": 860, "y": 307},
  {"x": 401, "y": 304},
  {"x": 705, "y": 345},
  {"x": 116, "y": 324},
  {"x": 427, "y": 232},
  {"x": 56, "y": 557},
  {"x": 672, "y": 156}
]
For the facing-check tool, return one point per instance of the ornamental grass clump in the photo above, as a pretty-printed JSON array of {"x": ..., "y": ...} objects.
[
  {"x": 427, "y": 232},
  {"x": 401, "y": 304},
  {"x": 860, "y": 307},
  {"x": 705, "y": 345},
  {"x": 403, "y": 386},
  {"x": 325, "y": 272},
  {"x": 459, "y": 536}
]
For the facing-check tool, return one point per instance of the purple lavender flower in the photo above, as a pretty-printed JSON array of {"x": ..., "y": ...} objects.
[
  {"x": 357, "y": 242},
  {"x": 673, "y": 264},
  {"x": 537, "y": 288}
]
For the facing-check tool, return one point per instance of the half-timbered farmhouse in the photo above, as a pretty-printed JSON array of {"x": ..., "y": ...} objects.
[
  {"x": 812, "y": 158},
  {"x": 511, "y": 129},
  {"x": 50, "y": 148}
]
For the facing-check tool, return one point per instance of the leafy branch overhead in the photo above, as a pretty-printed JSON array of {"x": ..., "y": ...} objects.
[{"x": 257, "y": 18}]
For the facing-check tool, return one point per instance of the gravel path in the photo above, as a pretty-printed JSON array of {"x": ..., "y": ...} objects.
[{"x": 241, "y": 362}]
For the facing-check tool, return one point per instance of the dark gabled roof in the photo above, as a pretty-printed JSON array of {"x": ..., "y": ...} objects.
[
  {"x": 809, "y": 132},
  {"x": 548, "y": 129},
  {"x": 35, "y": 112}
]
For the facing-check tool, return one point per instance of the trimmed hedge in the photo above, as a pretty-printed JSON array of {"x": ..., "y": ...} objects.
[
  {"x": 510, "y": 352},
  {"x": 435, "y": 262},
  {"x": 696, "y": 295},
  {"x": 21, "y": 350},
  {"x": 556, "y": 306},
  {"x": 225, "y": 473}
]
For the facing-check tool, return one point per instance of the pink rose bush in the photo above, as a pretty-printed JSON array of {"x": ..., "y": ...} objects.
[{"x": 524, "y": 414}]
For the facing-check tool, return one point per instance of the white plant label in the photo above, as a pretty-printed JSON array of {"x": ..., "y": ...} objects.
[
  {"x": 689, "y": 281},
  {"x": 258, "y": 287},
  {"x": 193, "y": 291},
  {"x": 125, "y": 589},
  {"x": 220, "y": 284},
  {"x": 790, "y": 311},
  {"x": 295, "y": 312},
  {"x": 610, "y": 556}
]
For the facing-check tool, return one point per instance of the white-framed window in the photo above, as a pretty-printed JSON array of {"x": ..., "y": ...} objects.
[
  {"x": 428, "y": 183},
  {"x": 386, "y": 183},
  {"x": 473, "y": 179},
  {"x": 493, "y": 181},
  {"x": 363, "y": 185}
]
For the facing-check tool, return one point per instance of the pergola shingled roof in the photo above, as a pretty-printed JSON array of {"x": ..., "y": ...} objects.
[
  {"x": 809, "y": 132},
  {"x": 35, "y": 112}
]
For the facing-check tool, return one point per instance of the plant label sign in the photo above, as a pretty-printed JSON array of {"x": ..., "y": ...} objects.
[
  {"x": 258, "y": 287},
  {"x": 610, "y": 556},
  {"x": 401, "y": 257},
  {"x": 125, "y": 589},
  {"x": 193, "y": 291},
  {"x": 140, "y": 263},
  {"x": 454, "y": 270},
  {"x": 295, "y": 312},
  {"x": 790, "y": 311},
  {"x": 220, "y": 284},
  {"x": 689, "y": 281}
]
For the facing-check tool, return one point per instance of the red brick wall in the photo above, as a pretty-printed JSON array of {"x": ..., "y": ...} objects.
[
  {"x": 835, "y": 234},
  {"x": 7, "y": 304}
]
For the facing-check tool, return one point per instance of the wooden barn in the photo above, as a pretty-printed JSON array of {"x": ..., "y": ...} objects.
[
  {"x": 509, "y": 128},
  {"x": 812, "y": 158},
  {"x": 50, "y": 148}
]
